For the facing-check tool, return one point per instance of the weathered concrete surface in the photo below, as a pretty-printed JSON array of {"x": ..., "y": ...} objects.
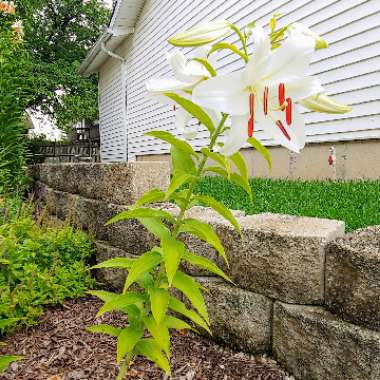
[
  {"x": 279, "y": 256},
  {"x": 120, "y": 184},
  {"x": 353, "y": 277},
  {"x": 314, "y": 344},
  {"x": 113, "y": 278},
  {"x": 92, "y": 215},
  {"x": 239, "y": 318}
]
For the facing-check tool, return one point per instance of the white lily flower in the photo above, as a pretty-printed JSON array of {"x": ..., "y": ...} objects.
[
  {"x": 299, "y": 28},
  {"x": 187, "y": 74},
  {"x": 203, "y": 34},
  {"x": 264, "y": 92}
]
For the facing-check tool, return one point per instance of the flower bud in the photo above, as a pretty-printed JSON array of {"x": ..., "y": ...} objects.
[
  {"x": 323, "y": 103},
  {"x": 296, "y": 27},
  {"x": 202, "y": 34}
]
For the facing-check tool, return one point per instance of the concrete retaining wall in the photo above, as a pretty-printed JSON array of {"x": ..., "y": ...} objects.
[{"x": 304, "y": 292}]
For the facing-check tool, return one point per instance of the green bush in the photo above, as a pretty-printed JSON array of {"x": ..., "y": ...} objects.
[
  {"x": 39, "y": 266},
  {"x": 355, "y": 202}
]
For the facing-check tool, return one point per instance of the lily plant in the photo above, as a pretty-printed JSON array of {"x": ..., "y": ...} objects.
[{"x": 231, "y": 107}]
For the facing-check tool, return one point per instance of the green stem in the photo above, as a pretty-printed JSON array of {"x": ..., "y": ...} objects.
[
  {"x": 199, "y": 173},
  {"x": 124, "y": 367}
]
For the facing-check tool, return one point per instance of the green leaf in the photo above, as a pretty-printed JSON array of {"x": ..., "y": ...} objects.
[
  {"x": 194, "y": 110},
  {"x": 6, "y": 360},
  {"x": 217, "y": 170},
  {"x": 5, "y": 323},
  {"x": 182, "y": 162},
  {"x": 220, "y": 208},
  {"x": 261, "y": 149},
  {"x": 127, "y": 340},
  {"x": 160, "y": 334},
  {"x": 151, "y": 196},
  {"x": 217, "y": 157},
  {"x": 240, "y": 164},
  {"x": 191, "y": 289},
  {"x": 117, "y": 262},
  {"x": 103, "y": 295},
  {"x": 227, "y": 46},
  {"x": 204, "y": 263},
  {"x": 179, "y": 307},
  {"x": 149, "y": 349},
  {"x": 120, "y": 302},
  {"x": 143, "y": 212},
  {"x": 144, "y": 264},
  {"x": 238, "y": 32},
  {"x": 177, "y": 181},
  {"x": 240, "y": 181},
  {"x": 272, "y": 24},
  {"x": 155, "y": 226},
  {"x": 172, "y": 251},
  {"x": 104, "y": 329},
  {"x": 172, "y": 140},
  {"x": 159, "y": 302},
  {"x": 145, "y": 281},
  {"x": 207, "y": 65},
  {"x": 174, "y": 323},
  {"x": 204, "y": 232}
]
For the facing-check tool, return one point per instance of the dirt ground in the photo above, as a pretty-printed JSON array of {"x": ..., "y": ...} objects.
[{"x": 60, "y": 348}]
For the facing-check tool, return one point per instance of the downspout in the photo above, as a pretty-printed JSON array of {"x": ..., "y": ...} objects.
[{"x": 124, "y": 90}]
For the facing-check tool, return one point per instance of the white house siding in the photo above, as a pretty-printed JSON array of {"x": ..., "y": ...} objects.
[
  {"x": 349, "y": 69},
  {"x": 112, "y": 112}
]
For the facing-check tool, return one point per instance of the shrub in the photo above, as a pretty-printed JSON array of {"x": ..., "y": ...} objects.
[{"x": 39, "y": 266}]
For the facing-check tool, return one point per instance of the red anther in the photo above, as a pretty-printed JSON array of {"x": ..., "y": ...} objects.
[
  {"x": 251, "y": 121},
  {"x": 289, "y": 111},
  {"x": 174, "y": 108},
  {"x": 251, "y": 127},
  {"x": 283, "y": 130},
  {"x": 266, "y": 94},
  {"x": 281, "y": 93}
]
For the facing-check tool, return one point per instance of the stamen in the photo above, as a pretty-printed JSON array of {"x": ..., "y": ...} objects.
[
  {"x": 281, "y": 93},
  {"x": 266, "y": 94},
  {"x": 251, "y": 121},
  {"x": 289, "y": 111},
  {"x": 174, "y": 107},
  {"x": 283, "y": 130}
]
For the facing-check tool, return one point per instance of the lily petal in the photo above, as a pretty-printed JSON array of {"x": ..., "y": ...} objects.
[
  {"x": 297, "y": 88},
  {"x": 182, "y": 118},
  {"x": 237, "y": 136},
  {"x": 258, "y": 61},
  {"x": 296, "y": 132},
  {"x": 160, "y": 85},
  {"x": 183, "y": 71},
  {"x": 292, "y": 59},
  {"x": 223, "y": 94}
]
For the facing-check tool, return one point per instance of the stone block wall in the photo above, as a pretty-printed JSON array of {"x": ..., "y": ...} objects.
[{"x": 304, "y": 291}]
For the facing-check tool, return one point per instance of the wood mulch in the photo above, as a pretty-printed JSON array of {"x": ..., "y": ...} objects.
[{"x": 60, "y": 348}]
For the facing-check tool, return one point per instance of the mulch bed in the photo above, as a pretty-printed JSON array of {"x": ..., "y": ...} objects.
[{"x": 60, "y": 348}]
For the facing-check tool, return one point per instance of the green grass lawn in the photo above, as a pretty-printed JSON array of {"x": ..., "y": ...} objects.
[{"x": 356, "y": 203}]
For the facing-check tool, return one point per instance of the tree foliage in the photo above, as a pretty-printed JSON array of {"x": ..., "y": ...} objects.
[{"x": 58, "y": 34}]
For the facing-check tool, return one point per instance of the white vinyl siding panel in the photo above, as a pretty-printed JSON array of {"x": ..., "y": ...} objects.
[
  {"x": 349, "y": 69},
  {"x": 113, "y": 147}
]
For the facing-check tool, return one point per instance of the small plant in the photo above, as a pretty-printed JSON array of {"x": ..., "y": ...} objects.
[
  {"x": 264, "y": 92},
  {"x": 38, "y": 266}
]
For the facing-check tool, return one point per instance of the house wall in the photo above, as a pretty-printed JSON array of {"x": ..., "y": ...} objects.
[
  {"x": 112, "y": 126},
  {"x": 349, "y": 69},
  {"x": 355, "y": 160}
]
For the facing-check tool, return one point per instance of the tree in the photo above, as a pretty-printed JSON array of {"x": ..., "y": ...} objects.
[{"x": 58, "y": 34}]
